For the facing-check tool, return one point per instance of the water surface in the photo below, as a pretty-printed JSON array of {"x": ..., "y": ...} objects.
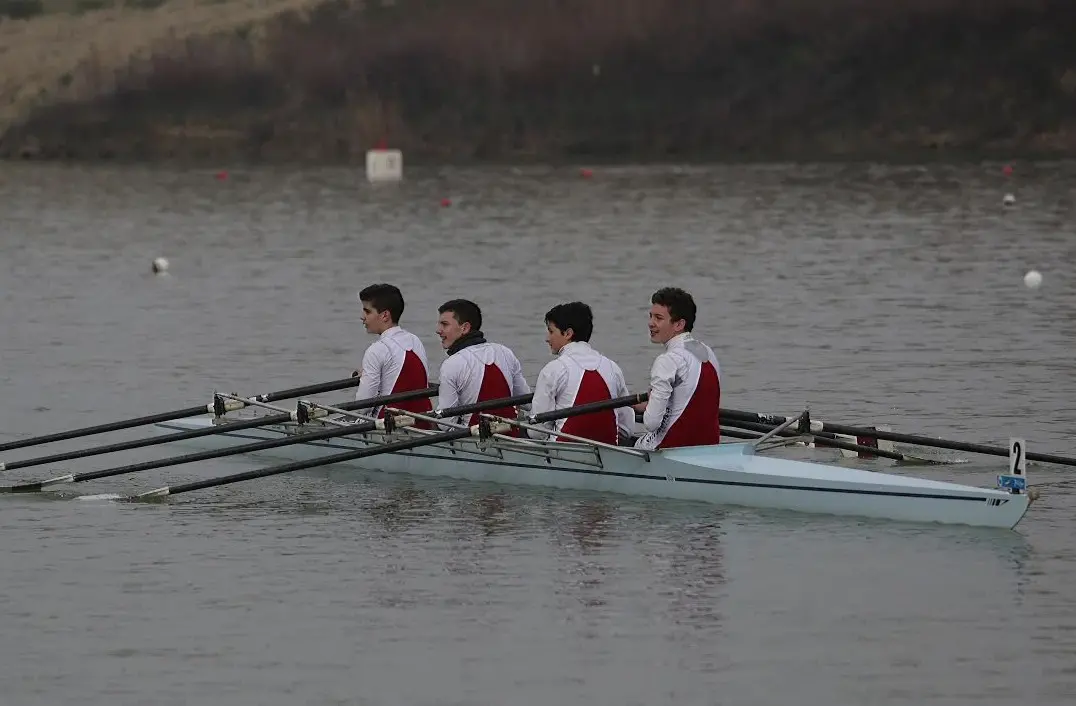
[{"x": 873, "y": 294}]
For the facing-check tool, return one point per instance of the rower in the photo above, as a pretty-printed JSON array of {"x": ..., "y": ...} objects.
[
  {"x": 396, "y": 361},
  {"x": 578, "y": 375},
  {"x": 476, "y": 370},
  {"x": 685, "y": 379}
]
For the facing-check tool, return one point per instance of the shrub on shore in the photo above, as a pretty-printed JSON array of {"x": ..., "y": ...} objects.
[{"x": 603, "y": 78}]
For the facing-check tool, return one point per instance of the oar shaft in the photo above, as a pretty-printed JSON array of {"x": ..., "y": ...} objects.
[
  {"x": 147, "y": 441},
  {"x": 737, "y": 434},
  {"x": 207, "y": 431},
  {"x": 590, "y": 407},
  {"x": 266, "y": 444},
  {"x": 392, "y": 447},
  {"x": 479, "y": 406},
  {"x": 177, "y": 414},
  {"x": 211, "y": 454},
  {"x": 307, "y": 390},
  {"x": 403, "y": 445},
  {"x": 902, "y": 438},
  {"x": 821, "y": 439},
  {"x": 208, "y": 455},
  {"x": 102, "y": 428}
]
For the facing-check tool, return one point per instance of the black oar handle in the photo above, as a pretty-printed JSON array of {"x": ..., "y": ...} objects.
[
  {"x": 902, "y": 438},
  {"x": 483, "y": 406},
  {"x": 331, "y": 386},
  {"x": 177, "y": 414},
  {"x": 389, "y": 447},
  {"x": 601, "y": 406}
]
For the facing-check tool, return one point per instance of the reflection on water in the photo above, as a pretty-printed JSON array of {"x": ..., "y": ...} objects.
[{"x": 401, "y": 508}]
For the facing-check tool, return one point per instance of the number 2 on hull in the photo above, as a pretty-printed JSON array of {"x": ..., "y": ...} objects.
[{"x": 1016, "y": 478}]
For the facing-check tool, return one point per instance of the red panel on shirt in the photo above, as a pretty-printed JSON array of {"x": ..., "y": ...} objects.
[
  {"x": 495, "y": 387},
  {"x": 413, "y": 377},
  {"x": 698, "y": 424},
  {"x": 597, "y": 426}
]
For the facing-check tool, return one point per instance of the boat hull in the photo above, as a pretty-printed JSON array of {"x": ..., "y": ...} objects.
[{"x": 728, "y": 474}]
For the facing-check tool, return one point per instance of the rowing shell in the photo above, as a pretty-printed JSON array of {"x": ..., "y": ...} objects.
[{"x": 725, "y": 474}]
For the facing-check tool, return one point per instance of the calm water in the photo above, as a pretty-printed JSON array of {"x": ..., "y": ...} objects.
[{"x": 872, "y": 293}]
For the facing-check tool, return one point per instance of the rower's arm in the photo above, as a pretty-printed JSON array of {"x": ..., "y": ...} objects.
[
  {"x": 662, "y": 375},
  {"x": 370, "y": 381},
  {"x": 448, "y": 389},
  {"x": 625, "y": 416},
  {"x": 519, "y": 383},
  {"x": 547, "y": 387}
]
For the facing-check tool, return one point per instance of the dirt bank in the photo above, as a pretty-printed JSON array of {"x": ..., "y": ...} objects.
[{"x": 466, "y": 80}]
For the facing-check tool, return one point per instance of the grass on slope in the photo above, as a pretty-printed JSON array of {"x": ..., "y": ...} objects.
[{"x": 74, "y": 55}]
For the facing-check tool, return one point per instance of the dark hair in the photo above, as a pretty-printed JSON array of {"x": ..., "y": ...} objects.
[
  {"x": 576, "y": 316},
  {"x": 384, "y": 297},
  {"x": 678, "y": 302},
  {"x": 465, "y": 311}
]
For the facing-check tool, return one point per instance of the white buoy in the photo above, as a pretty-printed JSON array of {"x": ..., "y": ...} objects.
[
  {"x": 384, "y": 165},
  {"x": 160, "y": 265},
  {"x": 1008, "y": 200},
  {"x": 1032, "y": 279}
]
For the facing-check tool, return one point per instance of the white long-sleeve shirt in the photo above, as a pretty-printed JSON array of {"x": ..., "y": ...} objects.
[
  {"x": 384, "y": 360},
  {"x": 674, "y": 379},
  {"x": 558, "y": 383},
  {"x": 462, "y": 375}
]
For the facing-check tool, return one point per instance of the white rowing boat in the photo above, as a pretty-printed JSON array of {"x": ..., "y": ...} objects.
[{"x": 726, "y": 474}]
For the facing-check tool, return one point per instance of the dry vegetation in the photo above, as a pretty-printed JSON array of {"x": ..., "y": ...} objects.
[
  {"x": 511, "y": 78},
  {"x": 66, "y": 55}
]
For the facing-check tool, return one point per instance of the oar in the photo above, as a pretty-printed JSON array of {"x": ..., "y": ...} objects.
[
  {"x": 482, "y": 430},
  {"x": 731, "y": 427},
  {"x": 177, "y": 414},
  {"x": 208, "y": 431},
  {"x": 916, "y": 440},
  {"x": 207, "y": 455},
  {"x": 821, "y": 439}
]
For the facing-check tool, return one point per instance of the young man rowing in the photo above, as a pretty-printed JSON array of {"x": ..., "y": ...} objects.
[
  {"x": 578, "y": 375},
  {"x": 476, "y": 370},
  {"x": 396, "y": 361},
  {"x": 685, "y": 380}
]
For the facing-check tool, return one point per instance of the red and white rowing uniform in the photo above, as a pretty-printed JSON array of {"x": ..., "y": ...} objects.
[
  {"x": 396, "y": 362},
  {"x": 685, "y": 395},
  {"x": 479, "y": 372},
  {"x": 578, "y": 375}
]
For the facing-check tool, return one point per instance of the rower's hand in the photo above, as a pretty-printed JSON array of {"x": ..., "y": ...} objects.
[
  {"x": 356, "y": 374},
  {"x": 640, "y": 407}
]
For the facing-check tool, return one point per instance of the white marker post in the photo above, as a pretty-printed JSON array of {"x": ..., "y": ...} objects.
[{"x": 384, "y": 165}]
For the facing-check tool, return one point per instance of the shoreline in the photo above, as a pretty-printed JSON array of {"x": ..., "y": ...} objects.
[
  {"x": 891, "y": 157},
  {"x": 593, "y": 82}
]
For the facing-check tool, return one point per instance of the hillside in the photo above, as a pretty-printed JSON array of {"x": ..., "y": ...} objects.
[{"x": 459, "y": 80}]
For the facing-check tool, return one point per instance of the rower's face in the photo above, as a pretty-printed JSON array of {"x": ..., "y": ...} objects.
[
  {"x": 449, "y": 330},
  {"x": 662, "y": 326},
  {"x": 556, "y": 338},
  {"x": 376, "y": 322}
]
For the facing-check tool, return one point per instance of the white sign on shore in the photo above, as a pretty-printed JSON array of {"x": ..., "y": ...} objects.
[{"x": 384, "y": 165}]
